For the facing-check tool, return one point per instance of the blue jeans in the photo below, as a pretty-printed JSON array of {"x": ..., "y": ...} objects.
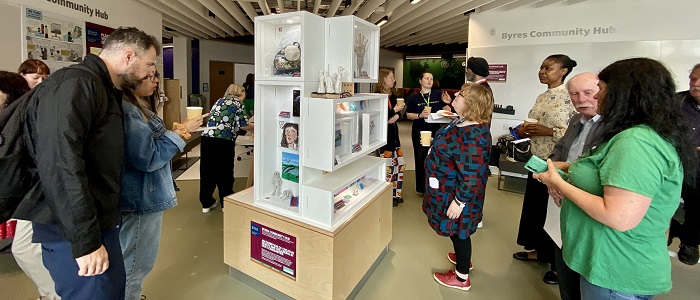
[
  {"x": 140, "y": 240},
  {"x": 58, "y": 259},
  {"x": 594, "y": 292}
]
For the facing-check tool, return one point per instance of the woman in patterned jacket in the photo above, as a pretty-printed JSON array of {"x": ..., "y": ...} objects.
[
  {"x": 218, "y": 146},
  {"x": 456, "y": 169}
]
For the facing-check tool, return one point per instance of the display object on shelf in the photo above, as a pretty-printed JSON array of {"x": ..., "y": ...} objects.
[
  {"x": 290, "y": 136},
  {"x": 321, "y": 82},
  {"x": 296, "y": 102},
  {"x": 361, "y": 42},
  {"x": 290, "y": 167},
  {"x": 276, "y": 184},
  {"x": 287, "y": 61}
]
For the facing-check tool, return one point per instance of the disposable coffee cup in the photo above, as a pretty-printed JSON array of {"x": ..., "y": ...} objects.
[
  {"x": 529, "y": 121},
  {"x": 194, "y": 112},
  {"x": 399, "y": 101},
  {"x": 425, "y": 138}
]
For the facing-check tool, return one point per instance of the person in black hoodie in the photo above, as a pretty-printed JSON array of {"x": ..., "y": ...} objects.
[
  {"x": 392, "y": 149},
  {"x": 76, "y": 138}
]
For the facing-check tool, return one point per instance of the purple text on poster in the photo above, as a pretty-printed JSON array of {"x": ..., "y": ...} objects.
[
  {"x": 273, "y": 249},
  {"x": 497, "y": 73}
]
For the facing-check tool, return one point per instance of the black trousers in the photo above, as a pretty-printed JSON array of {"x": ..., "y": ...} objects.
[
  {"x": 531, "y": 233},
  {"x": 216, "y": 169},
  {"x": 463, "y": 251},
  {"x": 569, "y": 280},
  {"x": 690, "y": 229}
]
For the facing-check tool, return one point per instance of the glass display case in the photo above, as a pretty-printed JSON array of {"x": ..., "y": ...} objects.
[{"x": 352, "y": 44}]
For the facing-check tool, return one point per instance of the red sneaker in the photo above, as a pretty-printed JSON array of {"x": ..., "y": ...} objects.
[
  {"x": 449, "y": 279},
  {"x": 452, "y": 257}
]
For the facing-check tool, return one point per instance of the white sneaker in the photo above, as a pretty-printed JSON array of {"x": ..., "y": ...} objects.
[
  {"x": 481, "y": 224},
  {"x": 208, "y": 209}
]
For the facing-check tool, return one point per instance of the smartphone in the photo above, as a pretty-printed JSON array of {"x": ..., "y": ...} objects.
[{"x": 537, "y": 165}]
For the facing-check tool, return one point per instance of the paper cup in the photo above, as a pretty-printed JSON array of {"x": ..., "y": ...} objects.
[
  {"x": 425, "y": 138},
  {"x": 194, "y": 112},
  {"x": 399, "y": 101},
  {"x": 529, "y": 121}
]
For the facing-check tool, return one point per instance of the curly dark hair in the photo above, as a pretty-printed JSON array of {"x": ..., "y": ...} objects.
[
  {"x": 565, "y": 61},
  {"x": 641, "y": 91}
]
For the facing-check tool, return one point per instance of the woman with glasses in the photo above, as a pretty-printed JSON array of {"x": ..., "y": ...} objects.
[
  {"x": 219, "y": 146},
  {"x": 418, "y": 108},
  {"x": 392, "y": 150},
  {"x": 621, "y": 194},
  {"x": 457, "y": 169},
  {"x": 147, "y": 182}
]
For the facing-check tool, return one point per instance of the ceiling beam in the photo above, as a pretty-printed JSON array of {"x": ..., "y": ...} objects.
[
  {"x": 352, "y": 8},
  {"x": 237, "y": 14},
  {"x": 454, "y": 9},
  {"x": 203, "y": 12},
  {"x": 264, "y": 7},
  {"x": 333, "y": 9},
  {"x": 175, "y": 15},
  {"x": 433, "y": 38},
  {"x": 317, "y": 3},
  {"x": 249, "y": 9},
  {"x": 222, "y": 14},
  {"x": 570, "y": 2},
  {"x": 400, "y": 15},
  {"x": 495, "y": 5},
  {"x": 173, "y": 24},
  {"x": 389, "y": 8},
  {"x": 546, "y": 2},
  {"x": 369, "y": 8},
  {"x": 440, "y": 27},
  {"x": 519, "y": 4}
]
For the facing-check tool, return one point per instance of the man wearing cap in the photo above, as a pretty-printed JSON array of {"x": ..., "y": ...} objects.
[{"x": 477, "y": 71}]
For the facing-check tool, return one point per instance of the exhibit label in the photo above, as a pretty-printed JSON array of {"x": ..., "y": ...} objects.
[
  {"x": 498, "y": 73},
  {"x": 273, "y": 249}
]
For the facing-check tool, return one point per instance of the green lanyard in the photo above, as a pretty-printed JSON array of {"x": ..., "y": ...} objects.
[{"x": 427, "y": 101}]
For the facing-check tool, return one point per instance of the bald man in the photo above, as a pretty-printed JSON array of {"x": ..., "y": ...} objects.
[{"x": 583, "y": 128}]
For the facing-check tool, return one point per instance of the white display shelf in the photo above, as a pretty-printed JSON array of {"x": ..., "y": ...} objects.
[
  {"x": 320, "y": 131},
  {"x": 275, "y": 32},
  {"x": 318, "y": 194},
  {"x": 342, "y": 34}
]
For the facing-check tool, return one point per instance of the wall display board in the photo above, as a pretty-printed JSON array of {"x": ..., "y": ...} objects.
[
  {"x": 95, "y": 36},
  {"x": 55, "y": 39}
]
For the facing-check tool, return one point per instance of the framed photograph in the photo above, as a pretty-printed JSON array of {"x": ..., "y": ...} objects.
[
  {"x": 290, "y": 136},
  {"x": 296, "y": 102},
  {"x": 290, "y": 167}
]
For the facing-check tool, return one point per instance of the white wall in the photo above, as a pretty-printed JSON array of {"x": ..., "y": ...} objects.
[
  {"x": 393, "y": 59},
  {"x": 120, "y": 13},
  {"x": 182, "y": 68},
  {"x": 221, "y": 51},
  {"x": 517, "y": 38}
]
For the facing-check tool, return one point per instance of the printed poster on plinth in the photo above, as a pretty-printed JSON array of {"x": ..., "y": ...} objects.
[{"x": 273, "y": 249}]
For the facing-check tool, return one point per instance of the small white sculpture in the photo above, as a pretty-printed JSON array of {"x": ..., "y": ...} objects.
[
  {"x": 276, "y": 183},
  {"x": 322, "y": 82},
  {"x": 336, "y": 83},
  {"x": 329, "y": 84},
  {"x": 339, "y": 84},
  {"x": 286, "y": 195},
  {"x": 361, "y": 42}
]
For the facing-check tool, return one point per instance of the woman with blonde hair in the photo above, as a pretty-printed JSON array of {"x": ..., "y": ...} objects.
[
  {"x": 227, "y": 117},
  {"x": 392, "y": 149},
  {"x": 456, "y": 172}
]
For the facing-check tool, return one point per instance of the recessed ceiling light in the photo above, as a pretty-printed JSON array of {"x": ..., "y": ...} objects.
[
  {"x": 383, "y": 21},
  {"x": 413, "y": 1}
]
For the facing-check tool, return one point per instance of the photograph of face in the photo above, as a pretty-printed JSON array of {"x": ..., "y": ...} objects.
[{"x": 290, "y": 136}]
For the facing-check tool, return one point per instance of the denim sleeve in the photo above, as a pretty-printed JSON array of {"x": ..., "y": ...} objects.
[{"x": 145, "y": 151}]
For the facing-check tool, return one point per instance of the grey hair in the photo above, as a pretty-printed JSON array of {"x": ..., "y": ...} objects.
[{"x": 131, "y": 37}]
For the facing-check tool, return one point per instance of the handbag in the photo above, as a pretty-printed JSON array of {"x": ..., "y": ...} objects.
[{"x": 518, "y": 150}]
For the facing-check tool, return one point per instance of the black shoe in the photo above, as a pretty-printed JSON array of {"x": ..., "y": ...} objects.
[
  {"x": 395, "y": 203},
  {"x": 688, "y": 254},
  {"x": 551, "y": 278},
  {"x": 523, "y": 256},
  {"x": 399, "y": 199}
]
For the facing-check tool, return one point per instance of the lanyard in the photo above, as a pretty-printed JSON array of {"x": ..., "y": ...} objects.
[{"x": 427, "y": 101}]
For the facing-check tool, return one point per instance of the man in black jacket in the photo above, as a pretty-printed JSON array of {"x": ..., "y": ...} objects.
[
  {"x": 75, "y": 127},
  {"x": 689, "y": 231}
]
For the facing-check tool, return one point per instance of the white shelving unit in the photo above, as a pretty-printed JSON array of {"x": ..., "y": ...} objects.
[
  {"x": 334, "y": 135},
  {"x": 343, "y": 33}
]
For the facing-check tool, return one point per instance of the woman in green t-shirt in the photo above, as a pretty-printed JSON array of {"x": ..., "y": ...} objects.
[{"x": 622, "y": 194}]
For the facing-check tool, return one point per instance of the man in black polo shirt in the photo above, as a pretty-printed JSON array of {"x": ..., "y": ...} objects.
[{"x": 689, "y": 231}]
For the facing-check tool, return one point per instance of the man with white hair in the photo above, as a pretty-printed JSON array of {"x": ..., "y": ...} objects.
[
  {"x": 583, "y": 128},
  {"x": 74, "y": 123},
  {"x": 689, "y": 231}
]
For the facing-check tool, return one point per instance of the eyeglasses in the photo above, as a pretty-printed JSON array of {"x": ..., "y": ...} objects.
[
  {"x": 458, "y": 94},
  {"x": 152, "y": 78}
]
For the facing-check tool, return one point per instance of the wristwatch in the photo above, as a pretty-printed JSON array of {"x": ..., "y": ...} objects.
[{"x": 461, "y": 204}]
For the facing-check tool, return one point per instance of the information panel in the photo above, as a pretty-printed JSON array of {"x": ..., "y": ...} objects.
[{"x": 273, "y": 249}]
